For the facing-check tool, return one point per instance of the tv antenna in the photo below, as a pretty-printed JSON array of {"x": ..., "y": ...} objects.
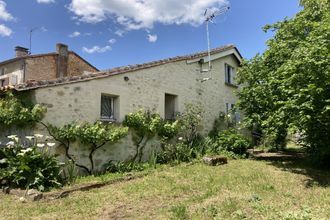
[
  {"x": 30, "y": 40},
  {"x": 210, "y": 15}
]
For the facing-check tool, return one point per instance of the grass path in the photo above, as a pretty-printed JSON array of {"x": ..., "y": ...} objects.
[{"x": 241, "y": 189}]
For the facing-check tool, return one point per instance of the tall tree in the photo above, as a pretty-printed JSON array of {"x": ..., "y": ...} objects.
[{"x": 288, "y": 86}]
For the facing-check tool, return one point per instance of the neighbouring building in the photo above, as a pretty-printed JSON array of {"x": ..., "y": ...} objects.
[
  {"x": 163, "y": 86},
  {"x": 26, "y": 68}
]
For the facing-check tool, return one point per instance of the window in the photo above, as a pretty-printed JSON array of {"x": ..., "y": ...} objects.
[
  {"x": 170, "y": 106},
  {"x": 2, "y": 83},
  {"x": 108, "y": 107},
  {"x": 2, "y": 71},
  {"x": 229, "y": 74}
]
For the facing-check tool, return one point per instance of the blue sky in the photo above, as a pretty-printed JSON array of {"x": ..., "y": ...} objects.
[{"x": 111, "y": 33}]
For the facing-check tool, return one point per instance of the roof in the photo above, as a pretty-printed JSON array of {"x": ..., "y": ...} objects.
[
  {"x": 42, "y": 55},
  {"x": 114, "y": 71}
]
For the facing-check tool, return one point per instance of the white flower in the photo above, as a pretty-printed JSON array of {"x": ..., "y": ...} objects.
[
  {"x": 50, "y": 144},
  {"x": 180, "y": 138},
  {"x": 40, "y": 145},
  {"x": 12, "y": 136},
  {"x": 26, "y": 150},
  {"x": 29, "y": 137},
  {"x": 228, "y": 115},
  {"x": 10, "y": 143},
  {"x": 49, "y": 137},
  {"x": 4, "y": 160},
  {"x": 38, "y": 135}
]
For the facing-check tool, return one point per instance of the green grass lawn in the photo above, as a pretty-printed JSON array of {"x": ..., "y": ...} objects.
[{"x": 241, "y": 189}]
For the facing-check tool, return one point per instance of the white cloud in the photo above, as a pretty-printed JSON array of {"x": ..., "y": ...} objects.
[
  {"x": 112, "y": 41},
  {"x": 43, "y": 29},
  {"x": 152, "y": 38},
  {"x": 5, "y": 31},
  {"x": 74, "y": 34},
  {"x": 97, "y": 49},
  {"x": 143, "y": 14},
  {"x": 46, "y": 1},
  {"x": 4, "y": 15},
  {"x": 120, "y": 33}
]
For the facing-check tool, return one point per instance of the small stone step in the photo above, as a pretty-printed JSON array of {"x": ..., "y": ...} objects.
[{"x": 215, "y": 160}]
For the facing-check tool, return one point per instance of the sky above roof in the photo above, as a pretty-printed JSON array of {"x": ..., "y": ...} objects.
[{"x": 111, "y": 33}]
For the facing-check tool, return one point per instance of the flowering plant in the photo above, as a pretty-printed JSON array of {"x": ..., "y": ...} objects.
[{"x": 28, "y": 164}]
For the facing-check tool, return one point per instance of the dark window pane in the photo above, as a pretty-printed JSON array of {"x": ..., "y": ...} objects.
[{"x": 107, "y": 107}]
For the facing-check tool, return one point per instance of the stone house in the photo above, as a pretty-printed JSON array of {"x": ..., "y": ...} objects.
[
  {"x": 162, "y": 86},
  {"x": 26, "y": 68}
]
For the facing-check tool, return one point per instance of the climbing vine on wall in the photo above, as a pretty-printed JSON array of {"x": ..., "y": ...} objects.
[
  {"x": 93, "y": 135},
  {"x": 145, "y": 125}
]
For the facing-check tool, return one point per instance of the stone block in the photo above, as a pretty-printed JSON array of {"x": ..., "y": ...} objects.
[{"x": 215, "y": 160}]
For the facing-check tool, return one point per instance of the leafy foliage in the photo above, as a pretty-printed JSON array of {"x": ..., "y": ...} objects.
[
  {"x": 230, "y": 141},
  {"x": 13, "y": 111},
  {"x": 146, "y": 125},
  {"x": 95, "y": 135},
  {"x": 190, "y": 122},
  {"x": 28, "y": 167},
  {"x": 98, "y": 134},
  {"x": 176, "y": 153},
  {"x": 289, "y": 85}
]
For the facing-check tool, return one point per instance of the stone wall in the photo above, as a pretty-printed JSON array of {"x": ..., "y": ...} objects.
[
  {"x": 141, "y": 89},
  {"x": 41, "y": 68},
  {"x": 76, "y": 66}
]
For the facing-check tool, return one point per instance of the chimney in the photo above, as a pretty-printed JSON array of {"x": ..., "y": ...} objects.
[
  {"x": 62, "y": 60},
  {"x": 21, "y": 51}
]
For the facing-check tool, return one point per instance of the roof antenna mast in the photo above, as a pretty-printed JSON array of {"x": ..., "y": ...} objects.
[
  {"x": 209, "y": 17},
  {"x": 30, "y": 40}
]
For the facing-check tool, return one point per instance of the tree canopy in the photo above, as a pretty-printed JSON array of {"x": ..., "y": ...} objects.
[{"x": 288, "y": 86}]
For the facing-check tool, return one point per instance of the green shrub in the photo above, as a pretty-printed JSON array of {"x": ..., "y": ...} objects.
[
  {"x": 18, "y": 111},
  {"x": 231, "y": 141},
  {"x": 28, "y": 167},
  {"x": 177, "y": 153}
]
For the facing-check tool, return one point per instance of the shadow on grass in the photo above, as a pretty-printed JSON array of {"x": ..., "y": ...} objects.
[{"x": 299, "y": 164}]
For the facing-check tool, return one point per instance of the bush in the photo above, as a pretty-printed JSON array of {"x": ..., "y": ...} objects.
[
  {"x": 18, "y": 111},
  {"x": 28, "y": 167},
  {"x": 231, "y": 141},
  {"x": 179, "y": 152}
]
